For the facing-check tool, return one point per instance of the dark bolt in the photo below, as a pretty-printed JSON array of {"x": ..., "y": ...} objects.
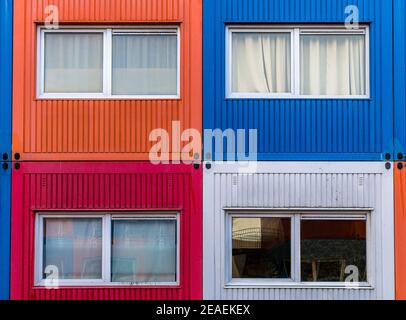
[
  {"x": 388, "y": 166},
  {"x": 208, "y": 166},
  {"x": 17, "y": 156},
  {"x": 400, "y": 166},
  {"x": 5, "y": 166},
  {"x": 400, "y": 156},
  {"x": 5, "y": 156},
  {"x": 387, "y": 156},
  {"x": 17, "y": 166}
]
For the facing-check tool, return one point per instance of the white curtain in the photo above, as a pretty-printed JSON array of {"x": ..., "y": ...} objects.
[
  {"x": 333, "y": 65},
  {"x": 261, "y": 63},
  {"x": 74, "y": 246},
  {"x": 73, "y": 62},
  {"x": 145, "y": 65},
  {"x": 144, "y": 251}
]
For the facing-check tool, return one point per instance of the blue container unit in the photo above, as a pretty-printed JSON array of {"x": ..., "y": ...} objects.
[
  {"x": 6, "y": 27},
  {"x": 400, "y": 77},
  {"x": 313, "y": 87}
]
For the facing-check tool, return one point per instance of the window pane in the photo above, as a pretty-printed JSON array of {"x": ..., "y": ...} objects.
[
  {"x": 145, "y": 65},
  {"x": 261, "y": 62},
  {"x": 261, "y": 248},
  {"x": 328, "y": 248},
  {"x": 333, "y": 65},
  {"x": 73, "y": 62},
  {"x": 74, "y": 247},
  {"x": 144, "y": 251}
]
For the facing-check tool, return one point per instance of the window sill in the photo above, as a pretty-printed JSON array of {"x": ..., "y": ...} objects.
[
  {"x": 108, "y": 98},
  {"x": 293, "y": 97},
  {"x": 294, "y": 285},
  {"x": 100, "y": 285}
]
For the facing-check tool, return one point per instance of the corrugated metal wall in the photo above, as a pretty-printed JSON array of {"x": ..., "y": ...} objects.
[
  {"x": 100, "y": 129},
  {"x": 400, "y": 227},
  {"x": 6, "y": 42},
  {"x": 400, "y": 77},
  {"x": 314, "y": 185},
  {"x": 100, "y": 186},
  {"x": 304, "y": 129}
]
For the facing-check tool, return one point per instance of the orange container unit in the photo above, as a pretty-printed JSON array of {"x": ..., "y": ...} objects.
[
  {"x": 107, "y": 80},
  {"x": 400, "y": 230}
]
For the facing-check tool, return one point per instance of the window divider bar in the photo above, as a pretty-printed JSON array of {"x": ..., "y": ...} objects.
[
  {"x": 296, "y": 252},
  {"x": 108, "y": 62},
  {"x": 106, "y": 265},
  {"x": 296, "y": 60}
]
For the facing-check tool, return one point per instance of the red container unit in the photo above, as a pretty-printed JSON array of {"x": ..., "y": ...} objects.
[{"x": 101, "y": 231}]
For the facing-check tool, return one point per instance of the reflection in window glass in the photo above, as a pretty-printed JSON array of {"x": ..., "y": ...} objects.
[
  {"x": 329, "y": 247},
  {"x": 261, "y": 62},
  {"x": 73, "y": 63},
  {"x": 261, "y": 248},
  {"x": 73, "y": 248},
  {"x": 143, "y": 251}
]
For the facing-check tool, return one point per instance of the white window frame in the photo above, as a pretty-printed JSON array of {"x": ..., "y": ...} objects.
[
  {"x": 296, "y": 31},
  {"x": 107, "y": 219},
  {"x": 296, "y": 218},
  {"x": 108, "y": 33}
]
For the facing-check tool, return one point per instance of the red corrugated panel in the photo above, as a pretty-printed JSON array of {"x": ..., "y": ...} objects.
[
  {"x": 102, "y": 129},
  {"x": 88, "y": 187}
]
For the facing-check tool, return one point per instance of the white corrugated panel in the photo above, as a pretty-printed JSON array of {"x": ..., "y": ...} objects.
[{"x": 299, "y": 186}]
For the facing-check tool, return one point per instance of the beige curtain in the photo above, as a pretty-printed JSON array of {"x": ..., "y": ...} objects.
[
  {"x": 145, "y": 64},
  {"x": 332, "y": 65},
  {"x": 261, "y": 63},
  {"x": 73, "y": 62}
]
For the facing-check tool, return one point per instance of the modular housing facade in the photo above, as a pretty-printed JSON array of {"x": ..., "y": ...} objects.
[
  {"x": 79, "y": 94},
  {"x": 104, "y": 231},
  {"x": 297, "y": 230},
  {"x": 300, "y": 113},
  {"x": 6, "y": 18},
  {"x": 360, "y": 116}
]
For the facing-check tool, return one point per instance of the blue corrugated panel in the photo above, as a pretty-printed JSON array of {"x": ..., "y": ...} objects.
[
  {"x": 325, "y": 129},
  {"x": 6, "y": 17},
  {"x": 400, "y": 77}
]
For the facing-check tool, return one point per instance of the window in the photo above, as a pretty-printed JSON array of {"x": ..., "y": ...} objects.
[
  {"x": 329, "y": 247},
  {"x": 73, "y": 62},
  {"x": 107, "y": 249},
  {"x": 298, "y": 62},
  {"x": 298, "y": 249},
  {"x": 108, "y": 63},
  {"x": 261, "y": 62},
  {"x": 261, "y": 248}
]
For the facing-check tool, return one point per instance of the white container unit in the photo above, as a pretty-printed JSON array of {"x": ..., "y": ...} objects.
[{"x": 298, "y": 230}]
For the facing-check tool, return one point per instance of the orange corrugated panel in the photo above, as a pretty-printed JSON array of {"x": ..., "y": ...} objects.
[
  {"x": 102, "y": 129},
  {"x": 400, "y": 230}
]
